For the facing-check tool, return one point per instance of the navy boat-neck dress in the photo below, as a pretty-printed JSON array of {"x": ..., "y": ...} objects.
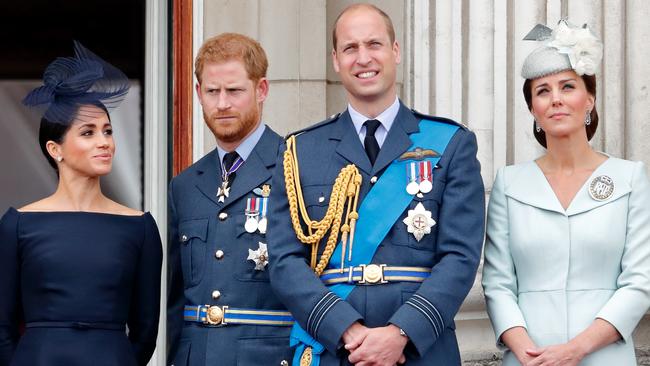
[{"x": 77, "y": 280}]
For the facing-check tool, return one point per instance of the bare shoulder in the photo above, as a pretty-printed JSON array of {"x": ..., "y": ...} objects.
[
  {"x": 119, "y": 209},
  {"x": 45, "y": 204}
]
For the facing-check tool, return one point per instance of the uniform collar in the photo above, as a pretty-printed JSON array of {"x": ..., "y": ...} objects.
[
  {"x": 246, "y": 147},
  {"x": 386, "y": 118}
]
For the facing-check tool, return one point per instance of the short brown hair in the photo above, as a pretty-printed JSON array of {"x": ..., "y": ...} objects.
[
  {"x": 233, "y": 46},
  {"x": 590, "y": 84},
  {"x": 387, "y": 20}
]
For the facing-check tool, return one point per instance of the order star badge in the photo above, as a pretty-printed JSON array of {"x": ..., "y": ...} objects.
[
  {"x": 259, "y": 256},
  {"x": 419, "y": 221}
]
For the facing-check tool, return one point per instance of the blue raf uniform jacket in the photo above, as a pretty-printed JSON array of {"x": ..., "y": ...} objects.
[
  {"x": 199, "y": 227},
  {"x": 425, "y": 311}
]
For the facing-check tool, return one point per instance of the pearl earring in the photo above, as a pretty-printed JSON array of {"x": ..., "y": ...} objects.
[{"x": 59, "y": 158}]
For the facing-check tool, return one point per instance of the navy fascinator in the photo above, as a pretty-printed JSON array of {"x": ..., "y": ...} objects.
[{"x": 72, "y": 82}]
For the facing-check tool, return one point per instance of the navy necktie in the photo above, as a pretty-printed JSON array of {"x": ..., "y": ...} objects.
[
  {"x": 370, "y": 142},
  {"x": 228, "y": 161}
]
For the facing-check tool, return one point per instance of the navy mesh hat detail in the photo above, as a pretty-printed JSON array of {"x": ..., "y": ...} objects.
[{"x": 72, "y": 82}]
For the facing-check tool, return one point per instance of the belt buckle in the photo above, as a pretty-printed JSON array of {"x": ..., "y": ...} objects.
[
  {"x": 372, "y": 274},
  {"x": 215, "y": 315}
]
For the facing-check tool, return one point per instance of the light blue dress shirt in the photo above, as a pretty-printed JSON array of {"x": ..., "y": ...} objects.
[{"x": 386, "y": 118}]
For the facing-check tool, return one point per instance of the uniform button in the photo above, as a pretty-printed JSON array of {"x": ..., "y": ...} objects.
[
  {"x": 321, "y": 199},
  {"x": 183, "y": 237},
  {"x": 223, "y": 216},
  {"x": 284, "y": 363},
  {"x": 219, "y": 254},
  {"x": 373, "y": 180},
  {"x": 216, "y": 294}
]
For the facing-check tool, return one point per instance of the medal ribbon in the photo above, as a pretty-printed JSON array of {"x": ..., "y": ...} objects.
[
  {"x": 263, "y": 205},
  {"x": 224, "y": 174},
  {"x": 377, "y": 214},
  {"x": 411, "y": 172}
]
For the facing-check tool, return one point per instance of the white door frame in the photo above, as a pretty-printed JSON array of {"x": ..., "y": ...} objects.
[{"x": 155, "y": 143}]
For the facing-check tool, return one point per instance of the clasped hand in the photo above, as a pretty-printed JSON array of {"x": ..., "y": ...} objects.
[
  {"x": 557, "y": 355},
  {"x": 382, "y": 346}
]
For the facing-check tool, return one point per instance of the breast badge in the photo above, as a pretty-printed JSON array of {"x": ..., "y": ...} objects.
[
  {"x": 419, "y": 221},
  {"x": 260, "y": 256}
]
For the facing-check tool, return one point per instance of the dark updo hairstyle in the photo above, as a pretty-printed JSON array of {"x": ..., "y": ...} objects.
[
  {"x": 55, "y": 131},
  {"x": 590, "y": 83},
  {"x": 51, "y": 131}
]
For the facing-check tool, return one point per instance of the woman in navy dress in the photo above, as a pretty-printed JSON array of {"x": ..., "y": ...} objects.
[{"x": 79, "y": 271}]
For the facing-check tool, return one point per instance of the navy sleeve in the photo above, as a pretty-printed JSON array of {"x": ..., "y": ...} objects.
[
  {"x": 320, "y": 312},
  {"x": 145, "y": 301},
  {"x": 461, "y": 225},
  {"x": 175, "y": 291},
  {"x": 9, "y": 286}
]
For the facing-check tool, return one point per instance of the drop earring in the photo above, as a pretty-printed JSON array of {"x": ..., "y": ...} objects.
[
  {"x": 588, "y": 118},
  {"x": 537, "y": 128}
]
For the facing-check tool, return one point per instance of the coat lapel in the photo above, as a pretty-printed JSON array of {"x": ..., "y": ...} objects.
[
  {"x": 350, "y": 147},
  {"x": 530, "y": 186},
  {"x": 257, "y": 168},
  {"x": 208, "y": 178},
  {"x": 397, "y": 141},
  {"x": 583, "y": 201}
]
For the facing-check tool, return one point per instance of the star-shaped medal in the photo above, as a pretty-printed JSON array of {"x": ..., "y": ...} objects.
[
  {"x": 224, "y": 191},
  {"x": 419, "y": 221},
  {"x": 259, "y": 256}
]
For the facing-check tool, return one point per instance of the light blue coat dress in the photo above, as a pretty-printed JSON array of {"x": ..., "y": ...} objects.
[{"x": 553, "y": 271}]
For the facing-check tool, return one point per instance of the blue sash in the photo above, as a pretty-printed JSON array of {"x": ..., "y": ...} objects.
[{"x": 377, "y": 215}]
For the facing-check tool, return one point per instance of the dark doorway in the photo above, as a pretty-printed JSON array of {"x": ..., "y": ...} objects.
[{"x": 32, "y": 34}]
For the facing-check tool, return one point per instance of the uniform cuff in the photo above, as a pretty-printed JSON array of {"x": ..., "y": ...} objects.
[
  {"x": 421, "y": 321},
  {"x": 331, "y": 320}
]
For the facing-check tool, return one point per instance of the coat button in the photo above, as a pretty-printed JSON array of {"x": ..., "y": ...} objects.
[
  {"x": 216, "y": 294},
  {"x": 184, "y": 237},
  {"x": 223, "y": 216},
  {"x": 321, "y": 199},
  {"x": 284, "y": 363},
  {"x": 219, "y": 254},
  {"x": 373, "y": 180}
]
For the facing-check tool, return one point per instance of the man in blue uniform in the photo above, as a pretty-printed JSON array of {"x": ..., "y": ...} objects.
[
  {"x": 405, "y": 194},
  {"x": 221, "y": 309}
]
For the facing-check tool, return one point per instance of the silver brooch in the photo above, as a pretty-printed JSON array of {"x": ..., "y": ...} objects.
[
  {"x": 601, "y": 188},
  {"x": 259, "y": 256}
]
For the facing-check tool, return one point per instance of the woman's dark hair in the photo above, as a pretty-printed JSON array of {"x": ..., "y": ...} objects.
[
  {"x": 590, "y": 83},
  {"x": 51, "y": 131},
  {"x": 54, "y": 131}
]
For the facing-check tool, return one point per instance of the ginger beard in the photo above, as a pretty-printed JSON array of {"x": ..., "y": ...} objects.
[{"x": 231, "y": 126}]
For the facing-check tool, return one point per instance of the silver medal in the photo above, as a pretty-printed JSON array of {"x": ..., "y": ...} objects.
[
  {"x": 425, "y": 186},
  {"x": 261, "y": 225},
  {"x": 251, "y": 224},
  {"x": 412, "y": 188},
  {"x": 601, "y": 188}
]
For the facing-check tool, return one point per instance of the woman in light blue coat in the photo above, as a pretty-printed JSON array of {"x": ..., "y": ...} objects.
[{"x": 567, "y": 257}]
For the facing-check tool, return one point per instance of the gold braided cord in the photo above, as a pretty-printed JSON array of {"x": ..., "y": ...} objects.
[{"x": 345, "y": 190}]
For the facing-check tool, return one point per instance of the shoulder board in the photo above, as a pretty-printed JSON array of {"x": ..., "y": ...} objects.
[
  {"x": 331, "y": 119},
  {"x": 439, "y": 119}
]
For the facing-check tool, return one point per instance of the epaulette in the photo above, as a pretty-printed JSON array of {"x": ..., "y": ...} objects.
[
  {"x": 439, "y": 119},
  {"x": 332, "y": 118}
]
